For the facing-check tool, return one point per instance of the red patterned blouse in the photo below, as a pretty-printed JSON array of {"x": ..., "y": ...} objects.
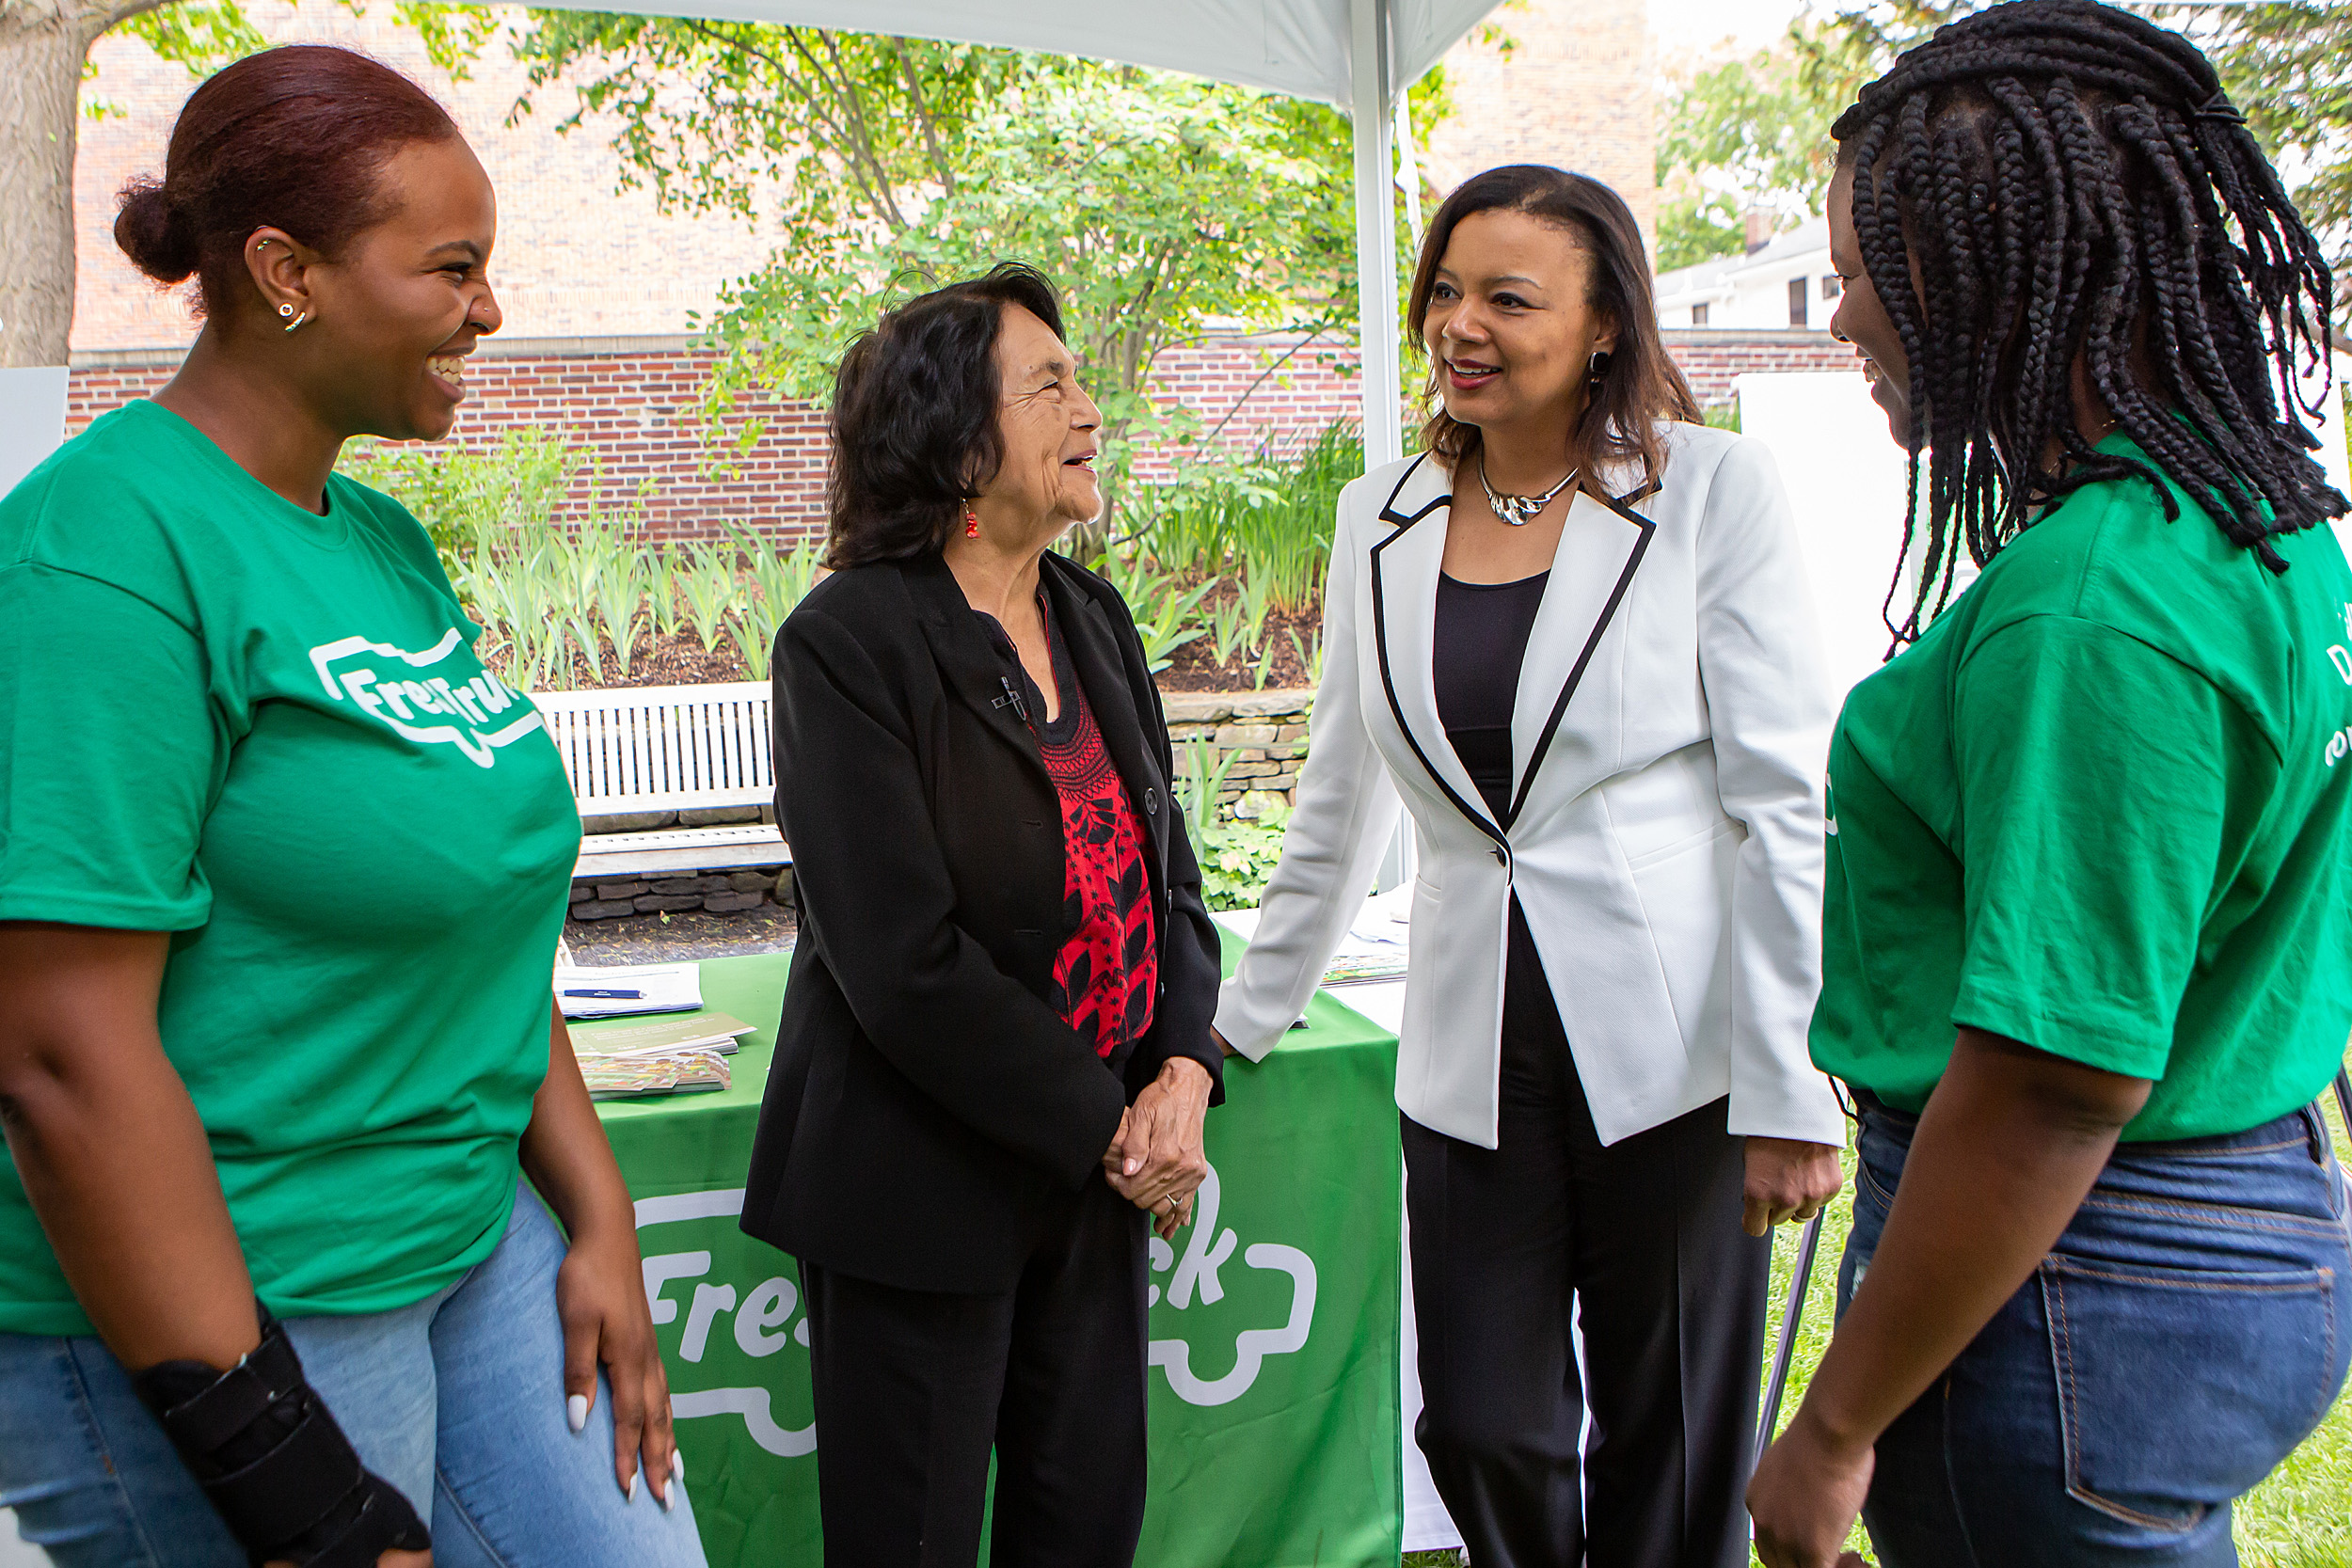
[{"x": 1108, "y": 973}]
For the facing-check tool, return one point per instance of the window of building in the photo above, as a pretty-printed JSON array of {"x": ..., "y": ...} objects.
[
  {"x": 1831, "y": 287},
  {"x": 1796, "y": 292},
  {"x": 1698, "y": 315}
]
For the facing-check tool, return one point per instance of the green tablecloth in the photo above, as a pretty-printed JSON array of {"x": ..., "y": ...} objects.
[{"x": 1275, "y": 1438}]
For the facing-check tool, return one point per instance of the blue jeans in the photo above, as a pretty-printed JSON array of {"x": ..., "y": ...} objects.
[
  {"x": 457, "y": 1400},
  {"x": 2191, "y": 1327}
]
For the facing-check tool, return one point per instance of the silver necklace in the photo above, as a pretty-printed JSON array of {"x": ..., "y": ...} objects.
[{"x": 1519, "y": 511}]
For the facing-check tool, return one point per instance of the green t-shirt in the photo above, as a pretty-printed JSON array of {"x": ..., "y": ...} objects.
[
  {"x": 2100, "y": 807},
  {"x": 265, "y": 732}
]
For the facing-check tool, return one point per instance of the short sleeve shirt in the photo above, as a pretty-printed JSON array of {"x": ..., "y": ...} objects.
[
  {"x": 2100, "y": 808},
  {"x": 265, "y": 732}
]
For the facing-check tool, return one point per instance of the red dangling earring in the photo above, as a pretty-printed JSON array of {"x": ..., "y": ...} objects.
[{"x": 971, "y": 524}]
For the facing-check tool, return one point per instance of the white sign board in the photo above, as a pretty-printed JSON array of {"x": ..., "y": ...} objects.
[
  {"x": 32, "y": 420},
  {"x": 1845, "y": 478}
]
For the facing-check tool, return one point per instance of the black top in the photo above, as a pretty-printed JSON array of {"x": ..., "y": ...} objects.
[
  {"x": 1481, "y": 641},
  {"x": 1031, "y": 703},
  {"x": 931, "y": 1114}
]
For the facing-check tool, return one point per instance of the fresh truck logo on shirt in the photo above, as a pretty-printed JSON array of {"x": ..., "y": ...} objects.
[
  {"x": 395, "y": 686},
  {"x": 727, "y": 1327},
  {"x": 2341, "y": 656}
]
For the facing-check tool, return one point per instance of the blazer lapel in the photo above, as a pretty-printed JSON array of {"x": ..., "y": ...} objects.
[
  {"x": 1405, "y": 568},
  {"x": 1602, "y": 545},
  {"x": 969, "y": 664}
]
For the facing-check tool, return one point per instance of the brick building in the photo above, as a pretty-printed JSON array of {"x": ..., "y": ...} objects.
[
  {"x": 1563, "y": 82},
  {"x": 600, "y": 290}
]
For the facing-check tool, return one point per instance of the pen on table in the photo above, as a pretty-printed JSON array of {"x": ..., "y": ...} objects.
[{"x": 611, "y": 995}]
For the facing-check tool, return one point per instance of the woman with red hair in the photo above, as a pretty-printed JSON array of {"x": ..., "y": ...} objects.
[{"x": 281, "y": 880}]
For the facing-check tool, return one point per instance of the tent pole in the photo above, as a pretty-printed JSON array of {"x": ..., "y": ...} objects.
[{"x": 1371, "y": 99}]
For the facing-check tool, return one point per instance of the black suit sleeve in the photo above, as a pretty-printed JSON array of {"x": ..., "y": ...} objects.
[{"x": 874, "y": 885}]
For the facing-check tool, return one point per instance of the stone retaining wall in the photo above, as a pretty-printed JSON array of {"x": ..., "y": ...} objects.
[
  {"x": 1263, "y": 732},
  {"x": 743, "y": 892}
]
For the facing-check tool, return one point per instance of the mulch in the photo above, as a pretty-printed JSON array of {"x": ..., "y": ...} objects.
[
  {"x": 675, "y": 660},
  {"x": 639, "y": 939},
  {"x": 1286, "y": 636}
]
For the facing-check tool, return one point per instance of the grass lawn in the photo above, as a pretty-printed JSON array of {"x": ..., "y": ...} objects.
[{"x": 2300, "y": 1517}]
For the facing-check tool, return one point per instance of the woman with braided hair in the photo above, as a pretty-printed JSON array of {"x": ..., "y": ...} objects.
[{"x": 2088, "y": 942}]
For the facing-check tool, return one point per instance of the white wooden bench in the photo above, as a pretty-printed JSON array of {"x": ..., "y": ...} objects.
[{"x": 665, "y": 749}]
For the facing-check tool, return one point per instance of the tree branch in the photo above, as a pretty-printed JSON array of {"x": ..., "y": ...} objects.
[{"x": 923, "y": 118}]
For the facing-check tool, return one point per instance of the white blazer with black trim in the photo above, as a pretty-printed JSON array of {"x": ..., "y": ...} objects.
[{"x": 1665, "y": 831}]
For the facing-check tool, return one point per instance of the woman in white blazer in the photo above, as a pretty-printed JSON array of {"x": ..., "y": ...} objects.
[{"x": 1574, "y": 639}]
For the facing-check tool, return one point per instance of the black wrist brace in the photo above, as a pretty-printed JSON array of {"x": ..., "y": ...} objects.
[{"x": 285, "y": 1479}]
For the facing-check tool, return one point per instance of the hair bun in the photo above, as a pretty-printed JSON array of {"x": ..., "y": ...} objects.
[{"x": 155, "y": 233}]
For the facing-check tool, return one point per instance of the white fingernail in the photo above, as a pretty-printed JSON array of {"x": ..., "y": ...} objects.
[
  {"x": 678, "y": 1465},
  {"x": 630, "y": 1490},
  {"x": 576, "y": 1411}
]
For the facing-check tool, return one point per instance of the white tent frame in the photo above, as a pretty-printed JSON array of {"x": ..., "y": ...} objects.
[{"x": 1359, "y": 54}]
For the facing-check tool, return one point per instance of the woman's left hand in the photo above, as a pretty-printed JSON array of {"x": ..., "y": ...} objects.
[
  {"x": 1805, "y": 1497},
  {"x": 600, "y": 1297},
  {"x": 1788, "y": 1179},
  {"x": 1160, "y": 1161}
]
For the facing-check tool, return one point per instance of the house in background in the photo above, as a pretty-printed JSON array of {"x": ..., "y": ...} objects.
[{"x": 1783, "y": 282}]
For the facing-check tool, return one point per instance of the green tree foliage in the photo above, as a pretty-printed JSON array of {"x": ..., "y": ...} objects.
[
  {"x": 1161, "y": 204},
  {"x": 1744, "y": 133},
  {"x": 2287, "y": 65},
  {"x": 2289, "y": 68}
]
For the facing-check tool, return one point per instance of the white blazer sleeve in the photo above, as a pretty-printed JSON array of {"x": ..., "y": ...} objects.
[
  {"x": 1346, "y": 806},
  {"x": 1768, "y": 706}
]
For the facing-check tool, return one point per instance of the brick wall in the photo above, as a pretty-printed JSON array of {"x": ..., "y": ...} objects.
[
  {"x": 1573, "y": 88},
  {"x": 1711, "y": 360},
  {"x": 633, "y": 401}
]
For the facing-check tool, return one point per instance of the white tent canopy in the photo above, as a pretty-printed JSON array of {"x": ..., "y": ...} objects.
[{"x": 1358, "y": 54}]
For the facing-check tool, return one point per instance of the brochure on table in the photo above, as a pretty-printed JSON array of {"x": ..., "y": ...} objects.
[
  {"x": 668, "y": 1046},
  {"x": 1367, "y": 970}
]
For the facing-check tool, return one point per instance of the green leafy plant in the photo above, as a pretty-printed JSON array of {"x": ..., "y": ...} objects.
[
  {"x": 622, "y": 603},
  {"x": 473, "y": 501},
  {"x": 1262, "y": 516},
  {"x": 708, "y": 588},
  {"x": 1310, "y": 656},
  {"x": 1237, "y": 855},
  {"x": 661, "y": 586},
  {"x": 1228, "y": 623},
  {"x": 1162, "y": 605}
]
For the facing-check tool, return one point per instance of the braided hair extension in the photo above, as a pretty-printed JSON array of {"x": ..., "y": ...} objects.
[{"x": 2048, "y": 180}]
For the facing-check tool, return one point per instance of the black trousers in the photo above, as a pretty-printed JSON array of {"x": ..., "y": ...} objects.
[
  {"x": 1643, "y": 1237},
  {"x": 913, "y": 1387}
]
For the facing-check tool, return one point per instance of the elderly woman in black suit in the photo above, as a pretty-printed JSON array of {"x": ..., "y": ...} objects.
[{"x": 995, "y": 1056}]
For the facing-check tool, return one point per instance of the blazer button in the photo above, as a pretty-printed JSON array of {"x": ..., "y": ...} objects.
[
  {"x": 1151, "y": 801},
  {"x": 1501, "y": 859}
]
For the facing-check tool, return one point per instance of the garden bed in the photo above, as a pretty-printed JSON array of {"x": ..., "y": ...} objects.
[{"x": 1284, "y": 658}]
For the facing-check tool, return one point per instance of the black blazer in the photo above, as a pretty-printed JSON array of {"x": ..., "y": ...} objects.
[{"x": 930, "y": 1115}]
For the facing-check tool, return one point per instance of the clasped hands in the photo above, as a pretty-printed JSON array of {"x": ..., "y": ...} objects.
[{"x": 1156, "y": 1161}]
